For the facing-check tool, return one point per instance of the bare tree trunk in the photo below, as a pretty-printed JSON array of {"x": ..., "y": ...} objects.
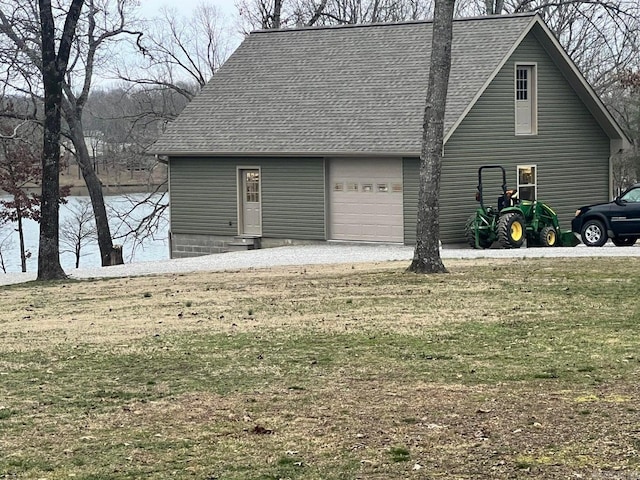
[
  {"x": 54, "y": 67},
  {"x": 49, "y": 267},
  {"x": 426, "y": 257},
  {"x": 3, "y": 267},
  {"x": 94, "y": 188},
  {"x": 23, "y": 254},
  {"x": 277, "y": 13},
  {"x": 494, "y": 7}
]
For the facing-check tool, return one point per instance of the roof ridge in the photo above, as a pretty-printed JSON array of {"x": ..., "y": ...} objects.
[{"x": 390, "y": 24}]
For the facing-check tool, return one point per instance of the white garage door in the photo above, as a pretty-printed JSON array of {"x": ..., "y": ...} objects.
[{"x": 366, "y": 200}]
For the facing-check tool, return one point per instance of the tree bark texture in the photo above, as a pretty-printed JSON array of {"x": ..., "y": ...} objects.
[
  {"x": 49, "y": 267},
  {"x": 53, "y": 69},
  {"x": 426, "y": 257}
]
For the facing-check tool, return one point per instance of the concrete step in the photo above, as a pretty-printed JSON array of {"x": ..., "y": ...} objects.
[{"x": 243, "y": 243}]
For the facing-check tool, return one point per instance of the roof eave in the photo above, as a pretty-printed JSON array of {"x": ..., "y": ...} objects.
[{"x": 292, "y": 154}]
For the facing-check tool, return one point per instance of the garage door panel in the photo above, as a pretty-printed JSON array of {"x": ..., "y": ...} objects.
[
  {"x": 388, "y": 211},
  {"x": 366, "y": 200}
]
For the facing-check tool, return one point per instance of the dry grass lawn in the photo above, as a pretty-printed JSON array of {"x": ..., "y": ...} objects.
[{"x": 500, "y": 369}]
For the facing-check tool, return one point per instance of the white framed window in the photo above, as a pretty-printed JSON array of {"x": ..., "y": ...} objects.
[
  {"x": 527, "y": 182},
  {"x": 526, "y": 102}
]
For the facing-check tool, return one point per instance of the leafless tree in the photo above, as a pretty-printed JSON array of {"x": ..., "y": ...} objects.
[
  {"x": 20, "y": 168},
  {"x": 99, "y": 27},
  {"x": 6, "y": 242},
  {"x": 601, "y": 36},
  {"x": 52, "y": 64},
  {"x": 140, "y": 217},
  {"x": 261, "y": 14},
  {"x": 179, "y": 53},
  {"x": 269, "y": 14},
  {"x": 78, "y": 230},
  {"x": 624, "y": 100},
  {"x": 624, "y": 171}
]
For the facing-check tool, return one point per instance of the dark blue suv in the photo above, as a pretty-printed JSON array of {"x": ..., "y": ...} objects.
[{"x": 618, "y": 220}]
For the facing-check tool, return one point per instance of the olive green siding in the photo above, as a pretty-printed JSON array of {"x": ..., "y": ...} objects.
[
  {"x": 293, "y": 198},
  {"x": 204, "y": 197},
  {"x": 571, "y": 151}
]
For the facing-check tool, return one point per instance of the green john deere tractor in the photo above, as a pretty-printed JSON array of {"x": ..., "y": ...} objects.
[{"x": 514, "y": 220}]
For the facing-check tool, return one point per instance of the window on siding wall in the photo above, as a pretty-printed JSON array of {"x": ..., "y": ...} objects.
[
  {"x": 527, "y": 182},
  {"x": 526, "y": 104}
]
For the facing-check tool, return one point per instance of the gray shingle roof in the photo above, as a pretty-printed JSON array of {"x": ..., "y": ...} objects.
[{"x": 336, "y": 90}]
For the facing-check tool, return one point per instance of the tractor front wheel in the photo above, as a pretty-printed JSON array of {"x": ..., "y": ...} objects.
[
  {"x": 548, "y": 237},
  {"x": 511, "y": 230},
  {"x": 470, "y": 234}
]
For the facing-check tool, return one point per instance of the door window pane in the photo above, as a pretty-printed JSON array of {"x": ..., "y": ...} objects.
[{"x": 252, "y": 186}]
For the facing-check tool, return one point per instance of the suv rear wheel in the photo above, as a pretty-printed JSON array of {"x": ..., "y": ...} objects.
[
  {"x": 624, "y": 241},
  {"x": 594, "y": 234}
]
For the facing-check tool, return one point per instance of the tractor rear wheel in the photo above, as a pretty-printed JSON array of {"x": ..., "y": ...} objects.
[
  {"x": 511, "y": 230},
  {"x": 470, "y": 234},
  {"x": 548, "y": 237}
]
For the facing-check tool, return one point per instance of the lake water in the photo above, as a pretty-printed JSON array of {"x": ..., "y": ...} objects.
[{"x": 156, "y": 248}]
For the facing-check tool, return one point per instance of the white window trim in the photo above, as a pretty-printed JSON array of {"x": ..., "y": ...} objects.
[
  {"x": 533, "y": 91},
  {"x": 535, "y": 184}
]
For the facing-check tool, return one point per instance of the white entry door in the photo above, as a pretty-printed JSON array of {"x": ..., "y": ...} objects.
[
  {"x": 366, "y": 200},
  {"x": 250, "y": 208}
]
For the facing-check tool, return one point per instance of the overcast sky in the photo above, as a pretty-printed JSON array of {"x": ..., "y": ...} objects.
[{"x": 151, "y": 7}]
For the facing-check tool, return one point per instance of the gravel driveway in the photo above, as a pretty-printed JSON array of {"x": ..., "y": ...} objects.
[{"x": 318, "y": 254}]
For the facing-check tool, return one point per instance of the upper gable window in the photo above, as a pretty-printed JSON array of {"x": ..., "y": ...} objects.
[{"x": 526, "y": 104}]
